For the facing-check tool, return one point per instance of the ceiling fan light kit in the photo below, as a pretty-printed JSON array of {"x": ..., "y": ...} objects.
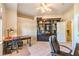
[{"x": 44, "y": 7}]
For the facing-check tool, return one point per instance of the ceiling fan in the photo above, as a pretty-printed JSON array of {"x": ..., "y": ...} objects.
[{"x": 44, "y": 7}]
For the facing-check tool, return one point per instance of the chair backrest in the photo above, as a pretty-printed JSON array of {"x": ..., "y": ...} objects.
[
  {"x": 15, "y": 40},
  {"x": 54, "y": 44}
]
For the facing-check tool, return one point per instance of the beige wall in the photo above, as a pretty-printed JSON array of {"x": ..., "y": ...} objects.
[
  {"x": 4, "y": 20},
  {"x": 10, "y": 20},
  {"x": 69, "y": 15},
  {"x": 26, "y": 26}
]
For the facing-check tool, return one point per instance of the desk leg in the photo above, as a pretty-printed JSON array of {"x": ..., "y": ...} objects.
[
  {"x": 30, "y": 42},
  {"x": 27, "y": 41}
]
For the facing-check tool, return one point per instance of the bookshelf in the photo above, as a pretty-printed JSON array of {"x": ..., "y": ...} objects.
[{"x": 46, "y": 27}]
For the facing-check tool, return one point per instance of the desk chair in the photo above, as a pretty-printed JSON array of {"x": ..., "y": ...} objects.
[
  {"x": 15, "y": 44},
  {"x": 7, "y": 46},
  {"x": 55, "y": 47}
]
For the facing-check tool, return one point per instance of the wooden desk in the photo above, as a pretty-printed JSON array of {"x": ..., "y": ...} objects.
[
  {"x": 7, "y": 41},
  {"x": 28, "y": 38}
]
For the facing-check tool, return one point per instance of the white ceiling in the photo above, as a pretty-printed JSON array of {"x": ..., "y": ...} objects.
[{"x": 30, "y": 8}]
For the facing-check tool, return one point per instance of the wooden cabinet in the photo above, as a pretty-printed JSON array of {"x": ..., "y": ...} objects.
[
  {"x": 69, "y": 31},
  {"x": 46, "y": 27}
]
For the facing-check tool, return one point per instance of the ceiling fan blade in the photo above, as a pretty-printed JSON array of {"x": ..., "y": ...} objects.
[
  {"x": 49, "y": 5},
  {"x": 45, "y": 7},
  {"x": 42, "y": 9},
  {"x": 49, "y": 9}
]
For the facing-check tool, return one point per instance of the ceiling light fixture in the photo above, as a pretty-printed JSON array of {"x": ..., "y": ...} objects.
[{"x": 44, "y": 7}]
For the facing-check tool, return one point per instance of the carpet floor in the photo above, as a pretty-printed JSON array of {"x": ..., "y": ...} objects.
[{"x": 37, "y": 49}]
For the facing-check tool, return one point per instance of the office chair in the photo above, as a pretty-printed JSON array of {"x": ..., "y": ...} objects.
[
  {"x": 7, "y": 46},
  {"x": 15, "y": 44},
  {"x": 55, "y": 48}
]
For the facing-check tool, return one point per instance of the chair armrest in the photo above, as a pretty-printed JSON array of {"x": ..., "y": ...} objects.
[{"x": 67, "y": 48}]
